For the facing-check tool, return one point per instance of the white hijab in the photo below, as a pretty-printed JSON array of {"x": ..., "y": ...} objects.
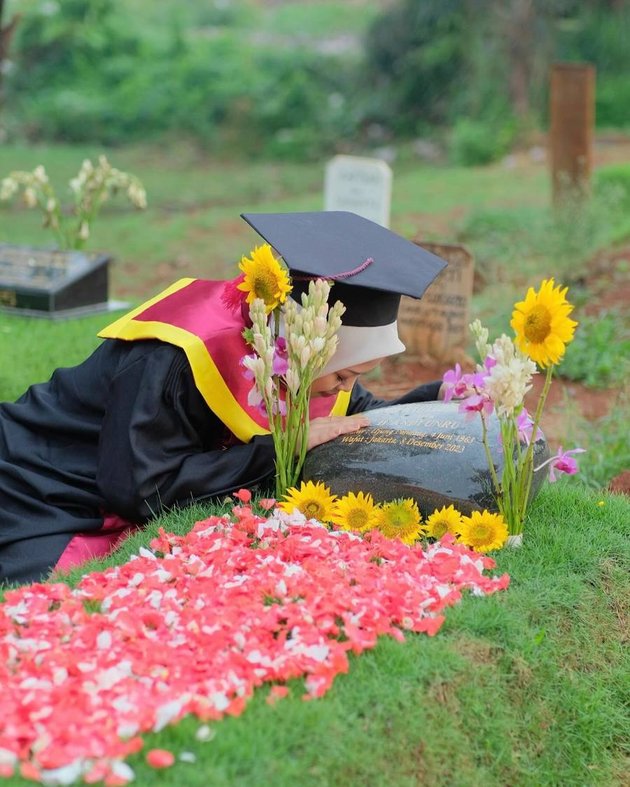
[{"x": 358, "y": 345}]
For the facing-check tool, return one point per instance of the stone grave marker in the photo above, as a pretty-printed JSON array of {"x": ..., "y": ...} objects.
[
  {"x": 52, "y": 283},
  {"x": 436, "y": 327},
  {"x": 428, "y": 451},
  {"x": 359, "y": 185}
]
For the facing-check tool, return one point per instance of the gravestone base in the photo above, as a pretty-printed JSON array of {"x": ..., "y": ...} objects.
[
  {"x": 52, "y": 283},
  {"x": 427, "y": 451}
]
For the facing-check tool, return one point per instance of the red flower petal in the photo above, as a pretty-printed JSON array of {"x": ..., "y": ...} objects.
[
  {"x": 86, "y": 671},
  {"x": 160, "y": 758}
]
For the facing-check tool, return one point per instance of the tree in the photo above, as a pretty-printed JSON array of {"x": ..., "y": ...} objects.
[{"x": 6, "y": 33}]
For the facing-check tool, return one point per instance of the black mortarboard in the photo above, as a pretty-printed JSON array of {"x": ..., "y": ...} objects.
[{"x": 372, "y": 265}]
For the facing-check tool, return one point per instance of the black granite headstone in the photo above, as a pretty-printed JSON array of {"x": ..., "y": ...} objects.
[
  {"x": 427, "y": 451},
  {"x": 46, "y": 282}
]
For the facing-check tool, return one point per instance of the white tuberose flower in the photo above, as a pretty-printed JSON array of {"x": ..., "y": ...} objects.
[{"x": 510, "y": 378}]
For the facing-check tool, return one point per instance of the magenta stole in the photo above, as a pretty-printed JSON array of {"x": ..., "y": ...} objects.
[{"x": 191, "y": 314}]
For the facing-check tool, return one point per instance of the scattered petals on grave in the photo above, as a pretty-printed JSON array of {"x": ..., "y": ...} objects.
[{"x": 194, "y": 624}]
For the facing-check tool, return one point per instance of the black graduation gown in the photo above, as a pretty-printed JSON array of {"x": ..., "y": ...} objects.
[{"x": 125, "y": 433}]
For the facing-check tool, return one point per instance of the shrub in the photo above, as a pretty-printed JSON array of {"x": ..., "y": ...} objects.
[
  {"x": 614, "y": 177},
  {"x": 475, "y": 142},
  {"x": 301, "y": 103},
  {"x": 599, "y": 354},
  {"x": 415, "y": 55}
]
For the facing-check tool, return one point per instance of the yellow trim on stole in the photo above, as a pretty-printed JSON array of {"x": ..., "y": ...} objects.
[{"x": 208, "y": 379}]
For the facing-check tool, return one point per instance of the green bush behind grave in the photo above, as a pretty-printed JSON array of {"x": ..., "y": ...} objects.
[
  {"x": 475, "y": 142},
  {"x": 615, "y": 179},
  {"x": 295, "y": 80}
]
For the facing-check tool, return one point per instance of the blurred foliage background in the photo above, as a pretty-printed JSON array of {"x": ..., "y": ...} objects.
[{"x": 302, "y": 79}]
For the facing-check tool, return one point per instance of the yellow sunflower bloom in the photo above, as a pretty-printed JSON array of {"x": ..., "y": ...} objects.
[
  {"x": 483, "y": 531},
  {"x": 315, "y": 501},
  {"x": 355, "y": 512},
  {"x": 446, "y": 520},
  {"x": 400, "y": 519},
  {"x": 264, "y": 278},
  {"x": 542, "y": 325}
]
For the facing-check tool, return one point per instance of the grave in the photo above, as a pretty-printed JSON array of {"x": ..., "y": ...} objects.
[
  {"x": 435, "y": 328},
  {"x": 359, "y": 185},
  {"x": 427, "y": 451},
  {"x": 51, "y": 283}
]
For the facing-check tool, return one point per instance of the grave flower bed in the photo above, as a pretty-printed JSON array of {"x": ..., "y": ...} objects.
[{"x": 195, "y": 623}]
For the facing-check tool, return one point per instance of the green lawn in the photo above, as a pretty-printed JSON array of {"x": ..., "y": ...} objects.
[{"x": 526, "y": 687}]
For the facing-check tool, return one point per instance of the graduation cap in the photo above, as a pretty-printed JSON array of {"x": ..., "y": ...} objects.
[{"x": 370, "y": 265}]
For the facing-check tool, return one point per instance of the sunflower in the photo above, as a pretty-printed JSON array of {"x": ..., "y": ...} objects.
[
  {"x": 542, "y": 325},
  {"x": 314, "y": 500},
  {"x": 400, "y": 519},
  {"x": 355, "y": 512},
  {"x": 264, "y": 278},
  {"x": 483, "y": 531},
  {"x": 446, "y": 520}
]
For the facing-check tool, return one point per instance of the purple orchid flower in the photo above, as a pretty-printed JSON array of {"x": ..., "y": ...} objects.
[
  {"x": 458, "y": 385},
  {"x": 451, "y": 380},
  {"x": 562, "y": 462},
  {"x": 477, "y": 403},
  {"x": 280, "y": 362},
  {"x": 247, "y": 373},
  {"x": 280, "y": 406},
  {"x": 525, "y": 426},
  {"x": 254, "y": 397}
]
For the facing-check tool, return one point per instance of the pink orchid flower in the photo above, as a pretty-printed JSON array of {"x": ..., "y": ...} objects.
[
  {"x": 280, "y": 362},
  {"x": 255, "y": 399},
  {"x": 458, "y": 385},
  {"x": 525, "y": 426},
  {"x": 247, "y": 373},
  {"x": 451, "y": 380},
  {"x": 477, "y": 403},
  {"x": 562, "y": 462}
]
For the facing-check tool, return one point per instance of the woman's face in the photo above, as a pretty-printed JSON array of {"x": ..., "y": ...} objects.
[{"x": 343, "y": 380}]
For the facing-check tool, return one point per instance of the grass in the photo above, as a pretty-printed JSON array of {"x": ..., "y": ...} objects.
[
  {"x": 527, "y": 687},
  {"x": 605, "y": 439},
  {"x": 600, "y": 353},
  {"x": 32, "y": 348}
]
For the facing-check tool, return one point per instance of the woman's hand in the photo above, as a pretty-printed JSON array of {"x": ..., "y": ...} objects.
[{"x": 321, "y": 430}]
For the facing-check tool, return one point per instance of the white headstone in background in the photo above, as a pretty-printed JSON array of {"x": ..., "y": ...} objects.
[{"x": 360, "y": 185}]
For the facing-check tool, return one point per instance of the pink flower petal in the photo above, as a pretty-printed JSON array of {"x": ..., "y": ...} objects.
[
  {"x": 160, "y": 758},
  {"x": 265, "y": 600}
]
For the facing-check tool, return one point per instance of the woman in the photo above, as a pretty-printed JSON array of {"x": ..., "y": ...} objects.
[{"x": 158, "y": 417}]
